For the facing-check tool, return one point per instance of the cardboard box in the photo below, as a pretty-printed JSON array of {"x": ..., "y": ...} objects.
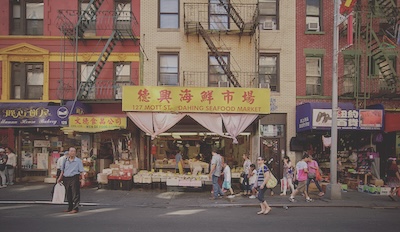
[
  {"x": 377, "y": 182},
  {"x": 385, "y": 191},
  {"x": 360, "y": 188}
]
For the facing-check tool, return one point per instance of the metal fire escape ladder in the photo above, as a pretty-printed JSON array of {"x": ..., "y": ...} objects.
[
  {"x": 389, "y": 9},
  {"x": 375, "y": 47},
  {"x": 233, "y": 14},
  {"x": 88, "y": 15},
  {"x": 218, "y": 56},
  {"x": 108, "y": 48}
]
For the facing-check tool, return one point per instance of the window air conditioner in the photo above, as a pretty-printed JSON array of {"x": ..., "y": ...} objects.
[
  {"x": 268, "y": 25},
  {"x": 223, "y": 84},
  {"x": 263, "y": 85},
  {"x": 312, "y": 26}
]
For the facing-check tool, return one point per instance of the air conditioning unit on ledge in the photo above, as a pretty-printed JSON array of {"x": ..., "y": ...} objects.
[
  {"x": 312, "y": 26},
  {"x": 223, "y": 84},
  {"x": 263, "y": 85},
  {"x": 268, "y": 25}
]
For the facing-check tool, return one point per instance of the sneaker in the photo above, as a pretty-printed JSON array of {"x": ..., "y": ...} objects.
[
  {"x": 231, "y": 196},
  {"x": 283, "y": 194},
  {"x": 309, "y": 200},
  {"x": 321, "y": 194},
  {"x": 252, "y": 197},
  {"x": 3, "y": 186},
  {"x": 291, "y": 199}
]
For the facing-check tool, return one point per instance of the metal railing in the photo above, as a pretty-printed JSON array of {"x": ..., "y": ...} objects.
[
  {"x": 200, "y": 13},
  {"x": 201, "y": 79}
]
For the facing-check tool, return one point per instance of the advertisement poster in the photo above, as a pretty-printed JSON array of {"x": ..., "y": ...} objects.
[
  {"x": 26, "y": 160},
  {"x": 42, "y": 161}
]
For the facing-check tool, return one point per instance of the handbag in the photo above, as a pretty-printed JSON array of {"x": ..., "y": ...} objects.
[
  {"x": 318, "y": 176},
  {"x": 311, "y": 175},
  {"x": 59, "y": 194},
  {"x": 2, "y": 167},
  {"x": 272, "y": 181}
]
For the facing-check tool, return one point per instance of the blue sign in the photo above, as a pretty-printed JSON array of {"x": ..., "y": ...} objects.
[{"x": 36, "y": 114}]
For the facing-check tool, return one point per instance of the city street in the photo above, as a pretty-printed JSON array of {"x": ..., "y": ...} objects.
[{"x": 129, "y": 218}]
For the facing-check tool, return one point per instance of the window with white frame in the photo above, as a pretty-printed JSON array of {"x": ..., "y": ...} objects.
[
  {"x": 313, "y": 15},
  {"x": 269, "y": 14},
  {"x": 168, "y": 69},
  {"x": 216, "y": 74},
  {"x": 123, "y": 11},
  {"x": 85, "y": 70},
  {"x": 169, "y": 14},
  {"x": 26, "y": 80},
  {"x": 268, "y": 71},
  {"x": 313, "y": 76},
  {"x": 122, "y": 77},
  {"x": 27, "y": 17},
  {"x": 219, "y": 18}
]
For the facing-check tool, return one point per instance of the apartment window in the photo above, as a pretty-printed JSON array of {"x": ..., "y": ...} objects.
[
  {"x": 216, "y": 73},
  {"x": 379, "y": 66},
  {"x": 169, "y": 14},
  {"x": 268, "y": 71},
  {"x": 26, "y": 80},
  {"x": 122, "y": 77},
  {"x": 27, "y": 17},
  {"x": 168, "y": 69},
  {"x": 88, "y": 22},
  {"x": 313, "y": 76},
  {"x": 349, "y": 73},
  {"x": 313, "y": 15},
  {"x": 123, "y": 14},
  {"x": 269, "y": 17},
  {"x": 219, "y": 18},
  {"x": 85, "y": 70}
]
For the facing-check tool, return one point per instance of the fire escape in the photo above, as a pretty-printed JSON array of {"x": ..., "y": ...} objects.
[
  {"x": 376, "y": 32},
  {"x": 75, "y": 25},
  {"x": 198, "y": 21}
]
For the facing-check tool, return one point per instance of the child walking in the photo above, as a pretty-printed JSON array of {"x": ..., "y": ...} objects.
[
  {"x": 227, "y": 180},
  {"x": 252, "y": 181}
]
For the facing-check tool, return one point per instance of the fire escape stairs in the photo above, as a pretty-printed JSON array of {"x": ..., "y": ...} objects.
[
  {"x": 389, "y": 9},
  {"x": 233, "y": 14},
  {"x": 381, "y": 59},
  {"x": 87, "y": 16},
  {"x": 231, "y": 77},
  {"x": 106, "y": 52}
]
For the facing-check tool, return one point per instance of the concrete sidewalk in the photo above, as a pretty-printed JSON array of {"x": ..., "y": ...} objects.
[{"x": 40, "y": 193}]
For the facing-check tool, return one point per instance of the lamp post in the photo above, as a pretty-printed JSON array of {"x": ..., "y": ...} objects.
[{"x": 334, "y": 189}]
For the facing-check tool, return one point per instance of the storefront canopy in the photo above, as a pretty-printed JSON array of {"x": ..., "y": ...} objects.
[{"x": 157, "y": 123}]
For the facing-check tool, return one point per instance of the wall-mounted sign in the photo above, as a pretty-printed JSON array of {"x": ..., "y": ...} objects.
[
  {"x": 97, "y": 122},
  {"x": 309, "y": 118},
  {"x": 184, "y": 99}
]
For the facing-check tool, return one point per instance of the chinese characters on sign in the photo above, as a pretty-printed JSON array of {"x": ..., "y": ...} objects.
[
  {"x": 183, "y": 99},
  {"x": 97, "y": 122},
  {"x": 349, "y": 119}
]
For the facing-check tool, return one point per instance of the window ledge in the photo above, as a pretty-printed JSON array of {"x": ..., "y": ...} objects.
[
  {"x": 168, "y": 30},
  {"x": 314, "y": 32}
]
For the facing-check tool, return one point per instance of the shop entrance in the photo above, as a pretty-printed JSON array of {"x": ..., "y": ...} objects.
[{"x": 270, "y": 150}]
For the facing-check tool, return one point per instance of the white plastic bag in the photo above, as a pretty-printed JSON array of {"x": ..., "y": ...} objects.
[{"x": 59, "y": 194}]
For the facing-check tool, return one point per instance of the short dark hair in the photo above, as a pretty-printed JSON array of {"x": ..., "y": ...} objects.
[
  {"x": 252, "y": 165},
  {"x": 305, "y": 156},
  {"x": 286, "y": 157}
]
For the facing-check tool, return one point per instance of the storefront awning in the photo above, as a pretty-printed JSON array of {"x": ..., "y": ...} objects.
[{"x": 93, "y": 123}]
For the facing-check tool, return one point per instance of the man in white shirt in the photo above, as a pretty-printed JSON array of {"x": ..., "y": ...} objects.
[
  {"x": 215, "y": 173},
  {"x": 60, "y": 162},
  {"x": 11, "y": 164}
]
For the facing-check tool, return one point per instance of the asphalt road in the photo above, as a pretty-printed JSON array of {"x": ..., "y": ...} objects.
[{"x": 45, "y": 218}]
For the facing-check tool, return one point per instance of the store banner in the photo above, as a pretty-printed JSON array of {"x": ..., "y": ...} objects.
[
  {"x": 309, "y": 117},
  {"x": 96, "y": 123},
  {"x": 184, "y": 99},
  {"x": 36, "y": 114}
]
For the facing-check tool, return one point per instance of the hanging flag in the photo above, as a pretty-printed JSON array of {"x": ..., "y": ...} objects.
[
  {"x": 350, "y": 30},
  {"x": 346, "y": 7}
]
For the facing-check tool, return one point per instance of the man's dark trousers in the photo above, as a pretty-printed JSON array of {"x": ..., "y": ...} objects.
[{"x": 72, "y": 187}]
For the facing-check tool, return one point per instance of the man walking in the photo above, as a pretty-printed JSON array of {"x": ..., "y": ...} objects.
[
  {"x": 3, "y": 169},
  {"x": 215, "y": 173},
  {"x": 302, "y": 170},
  {"x": 11, "y": 164},
  {"x": 70, "y": 172}
]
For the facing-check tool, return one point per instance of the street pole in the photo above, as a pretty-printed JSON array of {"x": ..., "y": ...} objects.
[{"x": 334, "y": 189}]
